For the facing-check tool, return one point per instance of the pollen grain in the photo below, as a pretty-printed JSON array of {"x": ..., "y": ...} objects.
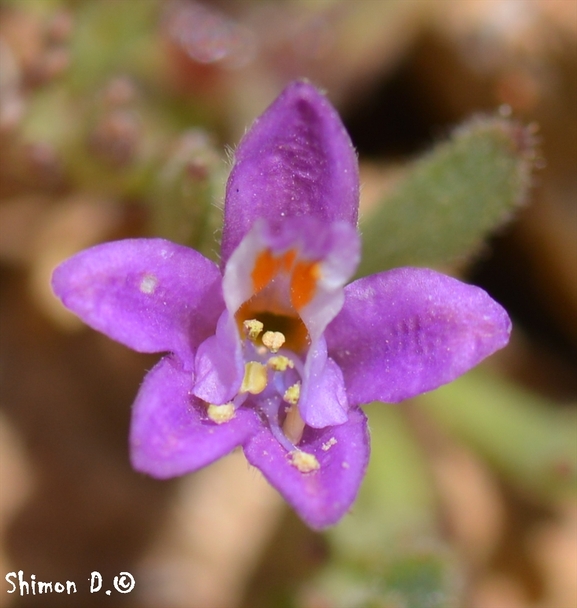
[
  {"x": 273, "y": 340},
  {"x": 304, "y": 462},
  {"x": 280, "y": 363},
  {"x": 253, "y": 328},
  {"x": 221, "y": 413}
]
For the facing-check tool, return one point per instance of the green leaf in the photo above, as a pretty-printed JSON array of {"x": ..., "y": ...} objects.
[{"x": 452, "y": 198}]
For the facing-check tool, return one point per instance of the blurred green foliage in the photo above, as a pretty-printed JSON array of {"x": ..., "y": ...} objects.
[
  {"x": 525, "y": 436},
  {"x": 111, "y": 37},
  {"x": 388, "y": 552},
  {"x": 419, "y": 579},
  {"x": 396, "y": 499}
]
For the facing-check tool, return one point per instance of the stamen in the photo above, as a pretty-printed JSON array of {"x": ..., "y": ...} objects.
[
  {"x": 293, "y": 393},
  {"x": 253, "y": 328},
  {"x": 255, "y": 378},
  {"x": 304, "y": 462},
  {"x": 280, "y": 363},
  {"x": 273, "y": 340},
  {"x": 221, "y": 413},
  {"x": 293, "y": 426}
]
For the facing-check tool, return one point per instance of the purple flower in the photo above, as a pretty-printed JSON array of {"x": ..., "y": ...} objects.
[{"x": 271, "y": 352}]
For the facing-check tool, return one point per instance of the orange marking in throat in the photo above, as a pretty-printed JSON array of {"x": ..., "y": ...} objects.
[
  {"x": 288, "y": 259},
  {"x": 303, "y": 280},
  {"x": 266, "y": 267},
  {"x": 304, "y": 283}
]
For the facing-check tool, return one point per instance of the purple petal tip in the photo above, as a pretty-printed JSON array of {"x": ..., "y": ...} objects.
[{"x": 297, "y": 159}]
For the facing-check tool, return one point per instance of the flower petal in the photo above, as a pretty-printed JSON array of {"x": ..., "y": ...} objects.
[
  {"x": 170, "y": 433},
  {"x": 219, "y": 366},
  {"x": 297, "y": 159},
  {"x": 409, "y": 330},
  {"x": 148, "y": 294},
  {"x": 323, "y": 399},
  {"x": 323, "y": 496}
]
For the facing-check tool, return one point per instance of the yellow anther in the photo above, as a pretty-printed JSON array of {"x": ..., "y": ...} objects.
[
  {"x": 255, "y": 378},
  {"x": 253, "y": 328},
  {"x": 280, "y": 363},
  {"x": 304, "y": 462},
  {"x": 292, "y": 393},
  {"x": 221, "y": 413},
  {"x": 273, "y": 340}
]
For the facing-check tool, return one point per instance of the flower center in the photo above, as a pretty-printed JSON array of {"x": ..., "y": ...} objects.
[
  {"x": 274, "y": 347},
  {"x": 275, "y": 371},
  {"x": 276, "y": 340},
  {"x": 296, "y": 336},
  {"x": 282, "y": 286}
]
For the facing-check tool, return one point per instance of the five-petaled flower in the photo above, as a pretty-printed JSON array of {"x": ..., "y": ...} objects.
[{"x": 271, "y": 351}]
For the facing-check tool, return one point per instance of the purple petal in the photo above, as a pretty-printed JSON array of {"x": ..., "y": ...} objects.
[
  {"x": 323, "y": 496},
  {"x": 323, "y": 399},
  {"x": 170, "y": 434},
  {"x": 219, "y": 366},
  {"x": 148, "y": 294},
  {"x": 297, "y": 159},
  {"x": 409, "y": 330}
]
